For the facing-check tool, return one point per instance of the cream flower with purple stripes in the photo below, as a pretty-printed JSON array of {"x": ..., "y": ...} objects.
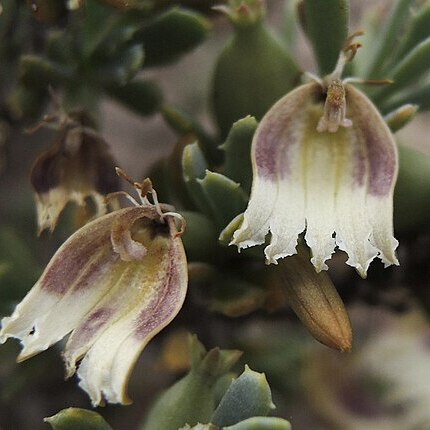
[
  {"x": 324, "y": 163},
  {"x": 114, "y": 284}
]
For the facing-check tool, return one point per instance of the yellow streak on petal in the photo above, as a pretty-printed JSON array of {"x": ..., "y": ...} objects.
[{"x": 110, "y": 352}]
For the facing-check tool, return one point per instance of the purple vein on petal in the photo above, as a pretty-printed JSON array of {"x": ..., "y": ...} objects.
[
  {"x": 279, "y": 130},
  {"x": 66, "y": 266},
  {"x": 165, "y": 304},
  {"x": 381, "y": 151}
]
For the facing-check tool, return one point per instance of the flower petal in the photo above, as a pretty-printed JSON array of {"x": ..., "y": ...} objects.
[
  {"x": 114, "y": 307},
  {"x": 331, "y": 183},
  {"x": 277, "y": 198},
  {"x": 383, "y": 169},
  {"x": 77, "y": 166},
  {"x": 115, "y": 346},
  {"x": 73, "y": 271}
]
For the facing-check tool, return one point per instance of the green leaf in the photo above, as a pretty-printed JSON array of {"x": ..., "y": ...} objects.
[
  {"x": 234, "y": 297},
  {"x": 261, "y": 423},
  {"x": 225, "y": 198},
  {"x": 200, "y": 238},
  {"x": 24, "y": 101},
  {"x": 248, "y": 396},
  {"x": 210, "y": 191},
  {"x": 77, "y": 419},
  {"x": 9, "y": 11},
  {"x": 191, "y": 399},
  {"x": 410, "y": 70},
  {"x": 16, "y": 28},
  {"x": 37, "y": 72},
  {"x": 217, "y": 196},
  {"x": 326, "y": 24},
  {"x": 419, "y": 96},
  {"x": 194, "y": 167},
  {"x": 400, "y": 117},
  {"x": 252, "y": 72},
  {"x": 141, "y": 96},
  {"x": 19, "y": 269},
  {"x": 412, "y": 193},
  {"x": 121, "y": 69},
  {"x": 227, "y": 234},
  {"x": 237, "y": 149},
  {"x": 171, "y": 35},
  {"x": 387, "y": 39},
  {"x": 290, "y": 27},
  {"x": 99, "y": 20},
  {"x": 419, "y": 30},
  {"x": 184, "y": 124},
  {"x": 60, "y": 48}
]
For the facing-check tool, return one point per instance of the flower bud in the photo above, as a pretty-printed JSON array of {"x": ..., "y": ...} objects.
[{"x": 316, "y": 302}]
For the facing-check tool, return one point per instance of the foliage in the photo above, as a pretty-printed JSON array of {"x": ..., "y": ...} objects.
[{"x": 62, "y": 62}]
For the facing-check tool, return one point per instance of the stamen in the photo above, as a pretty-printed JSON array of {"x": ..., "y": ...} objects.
[
  {"x": 111, "y": 196},
  {"x": 346, "y": 55},
  {"x": 124, "y": 175},
  {"x": 334, "y": 109},
  {"x": 183, "y": 222},
  {"x": 143, "y": 189},
  {"x": 157, "y": 203},
  {"x": 368, "y": 81}
]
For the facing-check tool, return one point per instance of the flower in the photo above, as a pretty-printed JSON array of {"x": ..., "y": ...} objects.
[
  {"x": 324, "y": 161},
  {"x": 114, "y": 284},
  {"x": 383, "y": 384},
  {"x": 78, "y": 165}
]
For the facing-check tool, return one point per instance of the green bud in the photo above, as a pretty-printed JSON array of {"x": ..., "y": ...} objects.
[
  {"x": 249, "y": 395},
  {"x": 252, "y": 72},
  {"x": 77, "y": 419},
  {"x": 192, "y": 400}
]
